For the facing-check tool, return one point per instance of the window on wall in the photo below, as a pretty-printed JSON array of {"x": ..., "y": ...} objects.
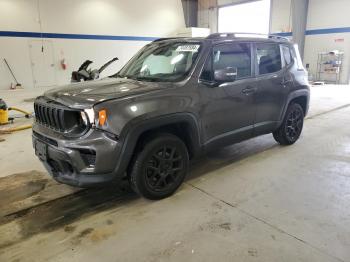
[{"x": 253, "y": 17}]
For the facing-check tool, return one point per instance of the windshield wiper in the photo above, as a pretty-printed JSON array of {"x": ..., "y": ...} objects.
[
  {"x": 138, "y": 78},
  {"x": 145, "y": 78}
]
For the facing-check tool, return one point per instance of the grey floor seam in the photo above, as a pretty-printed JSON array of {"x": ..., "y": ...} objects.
[{"x": 327, "y": 112}]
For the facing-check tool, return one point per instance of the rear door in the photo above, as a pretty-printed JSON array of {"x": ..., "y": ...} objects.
[{"x": 274, "y": 81}]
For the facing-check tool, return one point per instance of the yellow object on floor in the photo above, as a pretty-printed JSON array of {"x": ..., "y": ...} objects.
[
  {"x": 14, "y": 129},
  {"x": 4, "y": 117},
  {"x": 26, "y": 114}
]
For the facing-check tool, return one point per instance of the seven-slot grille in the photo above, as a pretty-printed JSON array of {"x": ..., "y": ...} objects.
[{"x": 50, "y": 116}]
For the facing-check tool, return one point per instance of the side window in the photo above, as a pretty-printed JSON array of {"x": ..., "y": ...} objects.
[
  {"x": 236, "y": 55},
  {"x": 228, "y": 55},
  {"x": 287, "y": 56},
  {"x": 268, "y": 58}
]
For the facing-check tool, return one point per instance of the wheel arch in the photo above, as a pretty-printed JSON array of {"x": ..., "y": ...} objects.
[
  {"x": 183, "y": 125},
  {"x": 301, "y": 97}
]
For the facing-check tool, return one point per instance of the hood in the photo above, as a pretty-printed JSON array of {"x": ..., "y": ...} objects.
[{"x": 86, "y": 94}]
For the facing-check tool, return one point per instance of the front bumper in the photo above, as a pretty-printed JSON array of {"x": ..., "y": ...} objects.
[{"x": 90, "y": 160}]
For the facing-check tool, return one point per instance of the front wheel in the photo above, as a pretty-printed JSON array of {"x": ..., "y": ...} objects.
[
  {"x": 160, "y": 167},
  {"x": 290, "y": 130}
]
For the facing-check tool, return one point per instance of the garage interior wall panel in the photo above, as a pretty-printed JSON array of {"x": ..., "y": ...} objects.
[
  {"x": 208, "y": 14},
  {"x": 325, "y": 14},
  {"x": 322, "y": 14},
  {"x": 281, "y": 17},
  {"x": 299, "y": 13},
  {"x": 148, "y": 18}
]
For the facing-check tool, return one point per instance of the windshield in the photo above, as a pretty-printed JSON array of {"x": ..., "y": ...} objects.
[{"x": 163, "y": 61}]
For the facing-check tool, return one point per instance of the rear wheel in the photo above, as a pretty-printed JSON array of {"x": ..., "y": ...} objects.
[
  {"x": 160, "y": 167},
  {"x": 290, "y": 130}
]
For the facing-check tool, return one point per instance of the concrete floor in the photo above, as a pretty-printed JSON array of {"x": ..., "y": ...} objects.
[{"x": 253, "y": 201}]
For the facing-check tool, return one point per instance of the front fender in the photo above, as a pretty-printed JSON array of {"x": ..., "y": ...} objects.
[
  {"x": 147, "y": 106},
  {"x": 135, "y": 128}
]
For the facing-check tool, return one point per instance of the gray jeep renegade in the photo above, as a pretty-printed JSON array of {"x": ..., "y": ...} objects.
[{"x": 175, "y": 99}]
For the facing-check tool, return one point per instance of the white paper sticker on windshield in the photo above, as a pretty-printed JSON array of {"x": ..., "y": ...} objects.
[{"x": 187, "y": 48}]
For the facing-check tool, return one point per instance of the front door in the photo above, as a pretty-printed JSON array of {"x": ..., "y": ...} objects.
[{"x": 227, "y": 109}]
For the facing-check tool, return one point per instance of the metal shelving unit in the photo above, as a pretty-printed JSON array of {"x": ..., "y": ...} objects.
[{"x": 329, "y": 67}]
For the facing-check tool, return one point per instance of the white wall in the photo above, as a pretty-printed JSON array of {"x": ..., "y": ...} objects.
[
  {"x": 281, "y": 18},
  {"x": 147, "y": 18},
  {"x": 324, "y": 14},
  {"x": 208, "y": 15}
]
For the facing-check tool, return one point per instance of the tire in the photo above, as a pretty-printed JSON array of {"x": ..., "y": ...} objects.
[
  {"x": 290, "y": 130},
  {"x": 159, "y": 167}
]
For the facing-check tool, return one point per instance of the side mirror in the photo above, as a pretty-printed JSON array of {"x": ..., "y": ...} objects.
[{"x": 228, "y": 74}]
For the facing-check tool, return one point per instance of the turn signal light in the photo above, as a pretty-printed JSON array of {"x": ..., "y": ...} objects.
[{"x": 102, "y": 117}]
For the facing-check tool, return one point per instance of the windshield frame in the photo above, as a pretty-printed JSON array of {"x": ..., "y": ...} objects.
[{"x": 123, "y": 70}]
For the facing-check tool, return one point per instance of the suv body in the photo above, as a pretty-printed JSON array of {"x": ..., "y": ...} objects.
[{"x": 229, "y": 89}]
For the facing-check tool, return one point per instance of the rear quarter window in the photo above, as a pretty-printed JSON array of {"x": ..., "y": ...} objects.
[
  {"x": 298, "y": 60},
  {"x": 286, "y": 54}
]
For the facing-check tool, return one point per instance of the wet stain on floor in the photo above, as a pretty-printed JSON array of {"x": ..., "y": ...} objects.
[
  {"x": 20, "y": 186},
  {"x": 76, "y": 240},
  {"x": 69, "y": 229},
  {"x": 19, "y": 193},
  {"x": 61, "y": 213},
  {"x": 226, "y": 226},
  {"x": 28, "y": 189}
]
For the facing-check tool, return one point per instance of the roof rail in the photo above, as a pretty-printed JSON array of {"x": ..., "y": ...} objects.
[
  {"x": 166, "y": 38},
  {"x": 235, "y": 35}
]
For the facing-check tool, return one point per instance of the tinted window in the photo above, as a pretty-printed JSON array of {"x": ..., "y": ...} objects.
[
  {"x": 269, "y": 58},
  {"x": 287, "y": 57},
  {"x": 233, "y": 55}
]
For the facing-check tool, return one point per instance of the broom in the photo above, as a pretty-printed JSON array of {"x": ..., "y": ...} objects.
[{"x": 18, "y": 85}]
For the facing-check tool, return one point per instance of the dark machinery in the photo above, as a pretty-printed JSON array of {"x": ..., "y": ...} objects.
[{"x": 85, "y": 74}]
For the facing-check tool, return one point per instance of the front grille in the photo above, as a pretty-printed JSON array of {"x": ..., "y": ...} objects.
[
  {"x": 50, "y": 116},
  {"x": 58, "y": 117}
]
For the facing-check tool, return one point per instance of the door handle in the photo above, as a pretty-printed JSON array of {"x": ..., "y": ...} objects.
[{"x": 249, "y": 90}]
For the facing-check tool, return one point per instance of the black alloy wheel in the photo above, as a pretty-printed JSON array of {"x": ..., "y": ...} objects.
[
  {"x": 290, "y": 130},
  {"x": 294, "y": 124},
  {"x": 163, "y": 168},
  {"x": 159, "y": 167}
]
